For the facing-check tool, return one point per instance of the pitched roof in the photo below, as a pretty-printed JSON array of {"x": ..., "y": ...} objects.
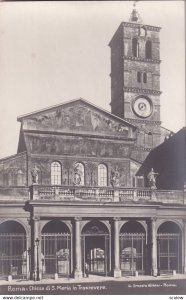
[{"x": 169, "y": 160}]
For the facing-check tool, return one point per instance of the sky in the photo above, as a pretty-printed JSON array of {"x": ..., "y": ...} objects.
[{"x": 53, "y": 52}]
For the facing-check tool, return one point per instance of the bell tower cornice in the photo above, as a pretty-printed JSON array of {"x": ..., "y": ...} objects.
[
  {"x": 141, "y": 59},
  {"x": 138, "y": 25},
  {"x": 141, "y": 91}
]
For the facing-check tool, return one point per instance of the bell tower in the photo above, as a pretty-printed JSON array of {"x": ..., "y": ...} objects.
[{"x": 135, "y": 78}]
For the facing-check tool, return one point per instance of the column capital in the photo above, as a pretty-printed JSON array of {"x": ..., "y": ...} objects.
[
  {"x": 153, "y": 219},
  {"x": 36, "y": 218},
  {"x": 116, "y": 219},
  {"x": 78, "y": 219}
]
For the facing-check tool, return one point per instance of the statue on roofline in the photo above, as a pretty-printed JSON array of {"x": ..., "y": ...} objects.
[
  {"x": 77, "y": 175},
  {"x": 35, "y": 175},
  {"x": 152, "y": 179},
  {"x": 114, "y": 178}
]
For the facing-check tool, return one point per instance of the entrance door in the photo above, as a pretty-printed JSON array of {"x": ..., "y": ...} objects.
[
  {"x": 128, "y": 260},
  {"x": 95, "y": 250},
  {"x": 96, "y": 254},
  {"x": 96, "y": 260}
]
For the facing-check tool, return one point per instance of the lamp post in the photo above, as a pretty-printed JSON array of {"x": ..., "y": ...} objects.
[{"x": 37, "y": 270}]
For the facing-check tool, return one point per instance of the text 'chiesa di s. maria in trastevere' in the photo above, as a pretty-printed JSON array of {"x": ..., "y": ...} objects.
[{"x": 86, "y": 191}]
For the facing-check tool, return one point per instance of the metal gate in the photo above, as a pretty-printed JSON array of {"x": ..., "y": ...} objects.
[
  {"x": 169, "y": 252},
  {"x": 13, "y": 255},
  {"x": 96, "y": 253},
  {"x": 132, "y": 253},
  {"x": 56, "y": 254}
]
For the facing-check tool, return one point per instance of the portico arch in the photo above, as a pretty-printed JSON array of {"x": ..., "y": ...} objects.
[
  {"x": 56, "y": 249},
  {"x": 96, "y": 248},
  {"x": 169, "y": 243},
  {"x": 13, "y": 250},
  {"x": 132, "y": 248}
]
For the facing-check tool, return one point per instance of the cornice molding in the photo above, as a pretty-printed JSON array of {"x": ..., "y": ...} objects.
[
  {"x": 144, "y": 121},
  {"x": 140, "y": 59},
  {"x": 142, "y": 148},
  {"x": 142, "y": 91},
  {"x": 137, "y": 25},
  {"x": 82, "y": 135}
]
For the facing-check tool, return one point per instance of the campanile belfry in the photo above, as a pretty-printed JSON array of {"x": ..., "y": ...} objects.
[{"x": 135, "y": 77}]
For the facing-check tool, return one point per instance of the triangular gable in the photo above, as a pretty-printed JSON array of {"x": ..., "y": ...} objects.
[{"x": 76, "y": 116}]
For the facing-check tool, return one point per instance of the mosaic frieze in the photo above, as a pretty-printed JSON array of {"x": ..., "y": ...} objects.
[
  {"x": 77, "y": 146},
  {"x": 78, "y": 117}
]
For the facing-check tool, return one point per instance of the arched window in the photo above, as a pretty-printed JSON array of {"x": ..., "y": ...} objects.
[
  {"x": 138, "y": 77},
  {"x": 56, "y": 173},
  {"x": 148, "y": 49},
  {"x": 142, "y": 31},
  {"x": 144, "y": 77},
  {"x": 102, "y": 175},
  {"x": 20, "y": 177},
  {"x": 79, "y": 174},
  {"x": 135, "y": 47}
]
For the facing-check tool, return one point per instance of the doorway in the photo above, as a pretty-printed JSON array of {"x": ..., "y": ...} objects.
[
  {"x": 13, "y": 251},
  {"x": 132, "y": 248},
  {"x": 56, "y": 250},
  {"x": 169, "y": 244},
  {"x": 96, "y": 249}
]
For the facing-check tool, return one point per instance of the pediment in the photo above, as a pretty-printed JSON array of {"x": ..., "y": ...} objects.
[{"x": 76, "y": 116}]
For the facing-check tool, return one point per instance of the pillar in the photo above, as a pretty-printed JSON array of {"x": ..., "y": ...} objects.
[
  {"x": 117, "y": 270},
  {"x": 184, "y": 248},
  {"x": 78, "y": 260},
  {"x": 154, "y": 247}
]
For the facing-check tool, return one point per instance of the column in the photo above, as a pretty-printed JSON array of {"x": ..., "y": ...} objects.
[
  {"x": 28, "y": 258},
  {"x": 78, "y": 262},
  {"x": 148, "y": 257},
  {"x": 184, "y": 248},
  {"x": 154, "y": 247},
  {"x": 117, "y": 270},
  {"x": 36, "y": 220}
]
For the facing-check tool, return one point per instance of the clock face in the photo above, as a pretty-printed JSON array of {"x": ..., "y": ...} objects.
[{"x": 142, "y": 107}]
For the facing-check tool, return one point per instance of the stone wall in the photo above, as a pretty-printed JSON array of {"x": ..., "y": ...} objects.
[{"x": 13, "y": 170}]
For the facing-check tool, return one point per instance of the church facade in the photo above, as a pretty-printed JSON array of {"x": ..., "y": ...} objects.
[{"x": 70, "y": 200}]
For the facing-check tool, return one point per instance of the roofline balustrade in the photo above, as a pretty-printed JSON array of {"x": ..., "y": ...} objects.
[{"x": 91, "y": 194}]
